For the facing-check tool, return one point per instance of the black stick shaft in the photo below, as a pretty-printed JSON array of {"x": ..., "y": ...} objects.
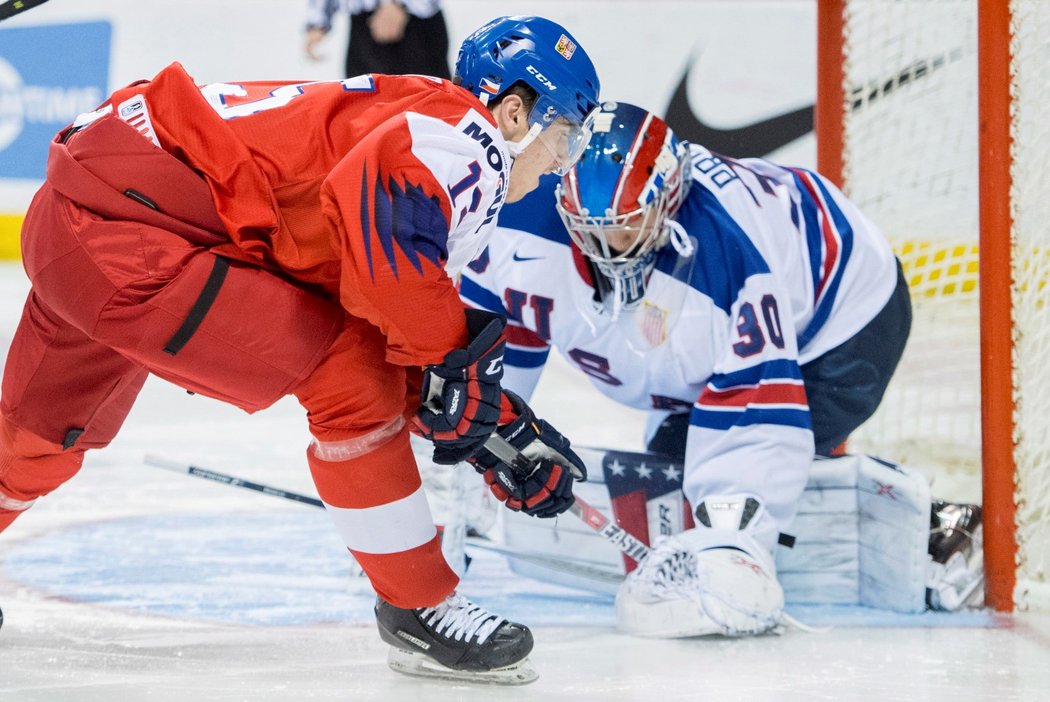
[
  {"x": 217, "y": 477},
  {"x": 14, "y": 7}
]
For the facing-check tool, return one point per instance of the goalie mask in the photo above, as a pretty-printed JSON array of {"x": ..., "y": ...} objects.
[
  {"x": 544, "y": 56},
  {"x": 619, "y": 201}
]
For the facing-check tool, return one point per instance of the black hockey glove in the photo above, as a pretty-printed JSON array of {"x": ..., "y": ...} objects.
[
  {"x": 546, "y": 490},
  {"x": 461, "y": 397}
]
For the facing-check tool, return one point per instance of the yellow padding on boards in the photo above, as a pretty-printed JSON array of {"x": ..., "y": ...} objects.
[{"x": 10, "y": 237}]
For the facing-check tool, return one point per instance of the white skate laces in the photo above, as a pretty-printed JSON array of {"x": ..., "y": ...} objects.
[
  {"x": 460, "y": 619},
  {"x": 456, "y": 640}
]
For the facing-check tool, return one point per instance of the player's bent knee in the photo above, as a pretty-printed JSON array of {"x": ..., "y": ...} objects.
[{"x": 31, "y": 466}]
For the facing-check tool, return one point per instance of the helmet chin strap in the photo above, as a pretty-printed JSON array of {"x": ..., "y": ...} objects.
[
  {"x": 618, "y": 295},
  {"x": 682, "y": 244},
  {"x": 680, "y": 239},
  {"x": 516, "y": 147}
]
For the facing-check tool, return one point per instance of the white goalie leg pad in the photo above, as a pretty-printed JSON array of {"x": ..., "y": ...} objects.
[
  {"x": 823, "y": 565},
  {"x": 894, "y": 536},
  {"x": 705, "y": 581},
  {"x": 861, "y": 536},
  {"x": 861, "y": 533}
]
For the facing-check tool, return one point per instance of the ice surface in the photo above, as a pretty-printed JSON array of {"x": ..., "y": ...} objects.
[{"x": 132, "y": 583}]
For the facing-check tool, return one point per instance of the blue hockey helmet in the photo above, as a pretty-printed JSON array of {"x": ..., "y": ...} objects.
[
  {"x": 544, "y": 56},
  {"x": 619, "y": 201}
]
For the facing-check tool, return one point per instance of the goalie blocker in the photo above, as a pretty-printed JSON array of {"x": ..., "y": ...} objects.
[{"x": 861, "y": 536}]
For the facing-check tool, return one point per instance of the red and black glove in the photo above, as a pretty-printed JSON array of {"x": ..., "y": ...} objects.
[
  {"x": 460, "y": 400},
  {"x": 545, "y": 490}
]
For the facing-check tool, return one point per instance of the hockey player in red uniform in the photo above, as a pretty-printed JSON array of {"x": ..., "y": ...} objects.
[{"x": 251, "y": 240}]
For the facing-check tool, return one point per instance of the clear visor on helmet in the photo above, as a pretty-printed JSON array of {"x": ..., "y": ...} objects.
[{"x": 562, "y": 134}]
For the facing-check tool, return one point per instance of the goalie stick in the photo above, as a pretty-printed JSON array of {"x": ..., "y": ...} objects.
[
  {"x": 579, "y": 568},
  {"x": 15, "y": 7}
]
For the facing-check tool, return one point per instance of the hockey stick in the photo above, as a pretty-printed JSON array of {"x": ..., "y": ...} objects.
[
  {"x": 589, "y": 515},
  {"x": 15, "y": 7},
  {"x": 579, "y": 568},
  {"x": 585, "y": 512},
  {"x": 500, "y": 448},
  {"x": 197, "y": 472}
]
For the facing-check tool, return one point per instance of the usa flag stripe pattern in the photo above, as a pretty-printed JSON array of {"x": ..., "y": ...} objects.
[
  {"x": 769, "y": 393},
  {"x": 525, "y": 349},
  {"x": 824, "y": 220}
]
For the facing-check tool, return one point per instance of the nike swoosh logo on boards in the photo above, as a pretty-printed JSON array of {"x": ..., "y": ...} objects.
[
  {"x": 763, "y": 137},
  {"x": 516, "y": 257},
  {"x": 756, "y": 139}
]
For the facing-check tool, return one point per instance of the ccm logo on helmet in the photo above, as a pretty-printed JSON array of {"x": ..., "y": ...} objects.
[{"x": 540, "y": 77}]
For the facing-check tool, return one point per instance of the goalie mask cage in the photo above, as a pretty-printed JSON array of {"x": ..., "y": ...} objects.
[{"x": 933, "y": 116}]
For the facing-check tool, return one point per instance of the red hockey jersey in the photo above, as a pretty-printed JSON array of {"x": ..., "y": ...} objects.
[{"x": 377, "y": 189}]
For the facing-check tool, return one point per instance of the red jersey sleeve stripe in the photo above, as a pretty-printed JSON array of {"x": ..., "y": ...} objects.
[
  {"x": 763, "y": 394},
  {"x": 520, "y": 336}
]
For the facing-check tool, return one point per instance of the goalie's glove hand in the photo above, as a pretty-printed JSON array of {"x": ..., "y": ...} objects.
[
  {"x": 546, "y": 490},
  {"x": 460, "y": 401}
]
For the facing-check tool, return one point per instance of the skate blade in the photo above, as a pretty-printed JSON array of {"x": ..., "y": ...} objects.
[{"x": 420, "y": 666}]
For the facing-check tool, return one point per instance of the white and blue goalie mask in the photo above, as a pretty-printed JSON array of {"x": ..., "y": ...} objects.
[{"x": 619, "y": 201}]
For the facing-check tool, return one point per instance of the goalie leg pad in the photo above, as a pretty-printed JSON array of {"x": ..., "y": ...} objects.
[
  {"x": 861, "y": 529},
  {"x": 894, "y": 507},
  {"x": 861, "y": 532}
]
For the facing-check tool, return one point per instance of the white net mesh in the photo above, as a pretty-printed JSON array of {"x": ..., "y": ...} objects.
[
  {"x": 911, "y": 163},
  {"x": 1030, "y": 209}
]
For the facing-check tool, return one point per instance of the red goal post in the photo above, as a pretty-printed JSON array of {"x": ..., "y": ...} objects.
[{"x": 922, "y": 109}]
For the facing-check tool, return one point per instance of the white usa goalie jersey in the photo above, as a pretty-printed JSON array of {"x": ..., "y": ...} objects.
[{"x": 785, "y": 269}]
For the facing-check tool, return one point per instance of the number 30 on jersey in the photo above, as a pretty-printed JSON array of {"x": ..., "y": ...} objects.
[{"x": 755, "y": 326}]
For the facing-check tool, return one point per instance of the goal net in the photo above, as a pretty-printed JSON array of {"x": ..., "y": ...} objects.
[{"x": 899, "y": 121}]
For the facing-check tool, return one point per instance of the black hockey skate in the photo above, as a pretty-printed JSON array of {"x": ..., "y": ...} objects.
[
  {"x": 456, "y": 640},
  {"x": 956, "y": 571}
]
